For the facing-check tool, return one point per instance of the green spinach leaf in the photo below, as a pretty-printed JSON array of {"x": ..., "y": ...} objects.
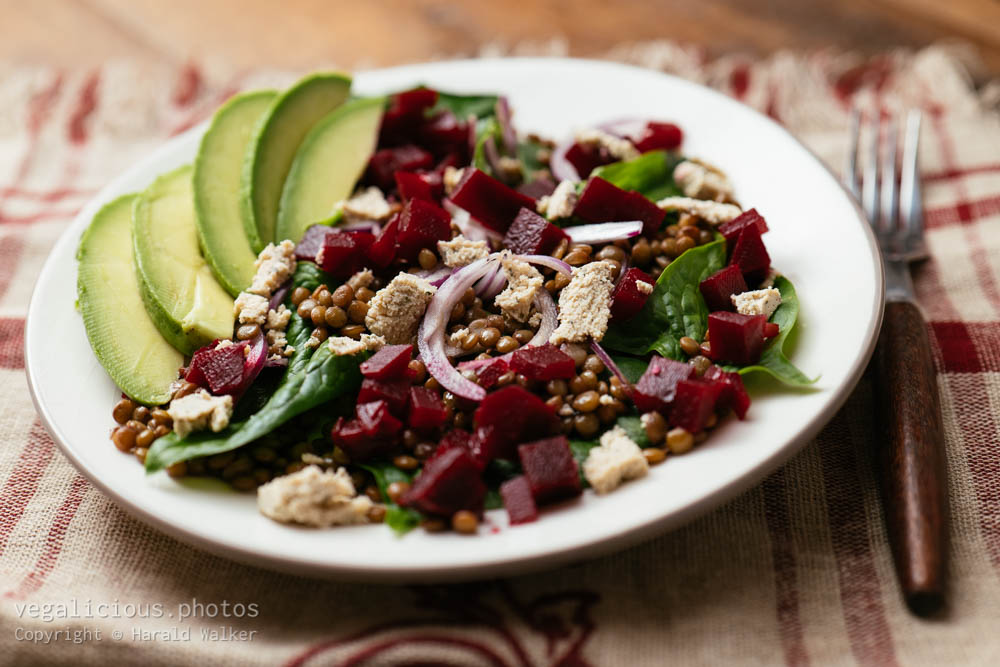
[
  {"x": 632, "y": 425},
  {"x": 580, "y": 450},
  {"x": 651, "y": 174},
  {"x": 463, "y": 106},
  {"x": 400, "y": 519},
  {"x": 488, "y": 130},
  {"x": 631, "y": 367}
]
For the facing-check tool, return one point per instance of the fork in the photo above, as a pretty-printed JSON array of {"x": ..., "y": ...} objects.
[{"x": 910, "y": 452}]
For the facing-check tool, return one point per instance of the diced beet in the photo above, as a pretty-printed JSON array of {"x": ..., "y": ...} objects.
[
  {"x": 734, "y": 395},
  {"x": 404, "y": 115},
  {"x": 384, "y": 164},
  {"x": 655, "y": 389},
  {"x": 657, "y": 136},
  {"x": 490, "y": 372},
  {"x": 412, "y": 185},
  {"x": 444, "y": 133},
  {"x": 771, "y": 330},
  {"x": 543, "y": 362},
  {"x": 488, "y": 200},
  {"x": 587, "y": 158},
  {"x": 343, "y": 252},
  {"x": 421, "y": 225},
  {"x": 383, "y": 250},
  {"x": 219, "y": 369},
  {"x": 751, "y": 256},
  {"x": 389, "y": 363},
  {"x": 550, "y": 469},
  {"x": 531, "y": 234},
  {"x": 393, "y": 392},
  {"x": 736, "y": 338},
  {"x": 627, "y": 299},
  {"x": 448, "y": 483},
  {"x": 427, "y": 411},
  {"x": 376, "y": 420},
  {"x": 602, "y": 201},
  {"x": 694, "y": 402},
  {"x": 462, "y": 439},
  {"x": 308, "y": 247},
  {"x": 731, "y": 230},
  {"x": 538, "y": 188},
  {"x": 720, "y": 286},
  {"x": 351, "y": 436},
  {"x": 515, "y": 415},
  {"x": 517, "y": 500}
]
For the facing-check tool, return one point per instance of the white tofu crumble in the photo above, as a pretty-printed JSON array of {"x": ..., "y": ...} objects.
[
  {"x": 617, "y": 147},
  {"x": 460, "y": 251},
  {"x": 616, "y": 460},
  {"x": 251, "y": 309},
  {"x": 451, "y": 178},
  {"x": 701, "y": 180},
  {"x": 361, "y": 279},
  {"x": 341, "y": 346},
  {"x": 368, "y": 204},
  {"x": 523, "y": 283},
  {"x": 585, "y": 304},
  {"x": 758, "y": 302},
  {"x": 275, "y": 264},
  {"x": 198, "y": 411},
  {"x": 278, "y": 319},
  {"x": 644, "y": 287},
  {"x": 223, "y": 344},
  {"x": 312, "y": 497},
  {"x": 560, "y": 203},
  {"x": 712, "y": 212},
  {"x": 396, "y": 310}
]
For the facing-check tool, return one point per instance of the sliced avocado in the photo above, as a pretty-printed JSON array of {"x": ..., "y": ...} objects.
[
  {"x": 216, "y": 183},
  {"x": 124, "y": 338},
  {"x": 329, "y": 162},
  {"x": 186, "y": 303},
  {"x": 276, "y": 139}
]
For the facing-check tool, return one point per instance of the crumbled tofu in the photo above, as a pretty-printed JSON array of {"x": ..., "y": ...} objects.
[
  {"x": 222, "y": 344},
  {"x": 759, "y": 302},
  {"x": 617, "y": 147},
  {"x": 523, "y": 283},
  {"x": 535, "y": 320},
  {"x": 460, "y": 251},
  {"x": 251, "y": 309},
  {"x": 560, "y": 203},
  {"x": 198, "y": 411},
  {"x": 277, "y": 344},
  {"x": 368, "y": 204},
  {"x": 343, "y": 346},
  {"x": 312, "y": 497},
  {"x": 455, "y": 339},
  {"x": 361, "y": 279},
  {"x": 585, "y": 304},
  {"x": 644, "y": 287},
  {"x": 701, "y": 180},
  {"x": 278, "y": 319},
  {"x": 452, "y": 176},
  {"x": 396, "y": 309},
  {"x": 509, "y": 168},
  {"x": 616, "y": 460},
  {"x": 606, "y": 399},
  {"x": 275, "y": 264},
  {"x": 712, "y": 212}
]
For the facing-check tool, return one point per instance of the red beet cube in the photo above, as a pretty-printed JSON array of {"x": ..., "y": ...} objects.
[
  {"x": 658, "y": 136},
  {"x": 543, "y": 362},
  {"x": 627, "y": 299},
  {"x": 490, "y": 372},
  {"x": 412, "y": 185},
  {"x": 462, "y": 439},
  {"x": 308, "y": 247},
  {"x": 601, "y": 201},
  {"x": 531, "y": 234},
  {"x": 517, "y": 500},
  {"x": 514, "y": 415},
  {"x": 538, "y": 188},
  {"x": 736, "y": 338},
  {"x": 404, "y": 114},
  {"x": 393, "y": 392},
  {"x": 488, "y": 200},
  {"x": 421, "y": 225},
  {"x": 427, "y": 412},
  {"x": 448, "y": 483},
  {"x": 550, "y": 469},
  {"x": 655, "y": 389},
  {"x": 720, "y": 286},
  {"x": 343, "y": 253},
  {"x": 587, "y": 158},
  {"x": 384, "y": 164},
  {"x": 750, "y": 255},
  {"x": 731, "y": 230},
  {"x": 694, "y": 402},
  {"x": 734, "y": 395},
  {"x": 221, "y": 370},
  {"x": 445, "y": 133},
  {"x": 351, "y": 436},
  {"x": 376, "y": 420},
  {"x": 389, "y": 363},
  {"x": 771, "y": 330},
  {"x": 383, "y": 250}
]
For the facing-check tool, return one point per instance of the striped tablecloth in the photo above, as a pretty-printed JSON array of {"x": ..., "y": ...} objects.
[{"x": 796, "y": 570}]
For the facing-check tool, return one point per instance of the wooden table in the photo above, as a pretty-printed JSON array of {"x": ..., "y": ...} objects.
[{"x": 306, "y": 33}]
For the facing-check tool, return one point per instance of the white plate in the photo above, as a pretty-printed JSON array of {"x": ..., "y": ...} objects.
[{"x": 817, "y": 238}]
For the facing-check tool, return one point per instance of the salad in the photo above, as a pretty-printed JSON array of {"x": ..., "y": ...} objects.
[{"x": 400, "y": 309}]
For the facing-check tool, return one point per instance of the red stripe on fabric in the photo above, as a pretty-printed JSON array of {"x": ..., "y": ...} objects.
[
  {"x": 188, "y": 85},
  {"x": 54, "y": 541},
  {"x": 12, "y": 342},
  {"x": 860, "y": 591},
  {"x": 22, "y": 484},
  {"x": 739, "y": 80},
  {"x": 39, "y": 111},
  {"x": 959, "y": 172},
  {"x": 85, "y": 104},
  {"x": 11, "y": 248},
  {"x": 40, "y": 216},
  {"x": 955, "y": 350},
  {"x": 204, "y": 113},
  {"x": 785, "y": 573},
  {"x": 931, "y": 295},
  {"x": 47, "y": 196},
  {"x": 964, "y": 212}
]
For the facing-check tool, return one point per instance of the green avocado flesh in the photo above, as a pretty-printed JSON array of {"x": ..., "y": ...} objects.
[
  {"x": 329, "y": 162},
  {"x": 216, "y": 183},
  {"x": 272, "y": 149},
  {"x": 186, "y": 303},
  {"x": 124, "y": 338}
]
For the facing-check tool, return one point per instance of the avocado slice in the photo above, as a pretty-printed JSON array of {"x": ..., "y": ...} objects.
[
  {"x": 329, "y": 162},
  {"x": 186, "y": 303},
  {"x": 216, "y": 182},
  {"x": 125, "y": 340},
  {"x": 277, "y": 138}
]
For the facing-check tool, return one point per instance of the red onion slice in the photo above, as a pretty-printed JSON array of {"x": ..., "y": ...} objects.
[
  {"x": 362, "y": 226},
  {"x": 548, "y": 262},
  {"x": 471, "y": 228},
  {"x": 610, "y": 364},
  {"x": 604, "y": 232},
  {"x": 546, "y": 305},
  {"x": 436, "y": 276},
  {"x": 279, "y": 295},
  {"x": 562, "y": 168},
  {"x": 277, "y": 362}
]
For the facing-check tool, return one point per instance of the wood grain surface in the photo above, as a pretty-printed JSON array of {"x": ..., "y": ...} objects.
[{"x": 307, "y": 33}]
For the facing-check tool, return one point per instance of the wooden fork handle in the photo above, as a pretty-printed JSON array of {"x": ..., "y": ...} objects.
[{"x": 910, "y": 456}]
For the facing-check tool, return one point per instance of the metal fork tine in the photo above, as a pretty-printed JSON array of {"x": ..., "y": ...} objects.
[
  {"x": 910, "y": 196},
  {"x": 890, "y": 188},
  {"x": 851, "y": 166},
  {"x": 869, "y": 180}
]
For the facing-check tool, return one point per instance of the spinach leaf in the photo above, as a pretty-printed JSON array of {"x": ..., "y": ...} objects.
[
  {"x": 400, "y": 519},
  {"x": 464, "y": 106},
  {"x": 675, "y": 308},
  {"x": 310, "y": 276},
  {"x": 651, "y": 173},
  {"x": 527, "y": 153},
  {"x": 632, "y": 425},
  {"x": 580, "y": 450},
  {"x": 631, "y": 367},
  {"x": 488, "y": 130}
]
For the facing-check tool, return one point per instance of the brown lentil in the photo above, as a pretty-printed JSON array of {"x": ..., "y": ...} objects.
[
  {"x": 357, "y": 311},
  {"x": 465, "y": 522},
  {"x": 404, "y": 462},
  {"x": 641, "y": 253},
  {"x": 220, "y": 461},
  {"x": 457, "y": 312},
  {"x": 372, "y": 492},
  {"x": 244, "y": 483},
  {"x": 469, "y": 297},
  {"x": 607, "y": 414},
  {"x": 432, "y": 384},
  {"x": 561, "y": 249},
  {"x": 506, "y": 378},
  {"x": 185, "y": 389},
  {"x": 654, "y": 455},
  {"x": 560, "y": 280},
  {"x": 323, "y": 296},
  {"x": 396, "y": 490},
  {"x": 352, "y": 331},
  {"x": 140, "y": 453},
  {"x": 419, "y": 371},
  {"x": 247, "y": 331},
  {"x": 376, "y": 514},
  {"x": 299, "y": 294},
  {"x": 594, "y": 363},
  {"x": 177, "y": 470},
  {"x": 577, "y": 257},
  {"x": 320, "y": 334},
  {"x": 689, "y": 345},
  {"x": 586, "y": 425},
  {"x": 434, "y": 525},
  {"x": 617, "y": 389},
  {"x": 655, "y": 426},
  {"x": 123, "y": 410},
  {"x": 588, "y": 401},
  {"x": 556, "y": 387},
  {"x": 364, "y": 294},
  {"x": 162, "y": 416},
  {"x": 692, "y": 232},
  {"x": 522, "y": 336},
  {"x": 578, "y": 353},
  {"x": 423, "y": 450},
  {"x": 712, "y": 420},
  {"x": 335, "y": 317},
  {"x": 135, "y": 425},
  {"x": 427, "y": 259},
  {"x": 679, "y": 440},
  {"x": 705, "y": 236},
  {"x": 489, "y": 337},
  {"x": 124, "y": 438},
  {"x": 318, "y": 316},
  {"x": 141, "y": 414},
  {"x": 305, "y": 308},
  {"x": 342, "y": 296},
  {"x": 685, "y": 243},
  {"x": 700, "y": 363},
  {"x": 506, "y": 344},
  {"x": 145, "y": 438}
]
